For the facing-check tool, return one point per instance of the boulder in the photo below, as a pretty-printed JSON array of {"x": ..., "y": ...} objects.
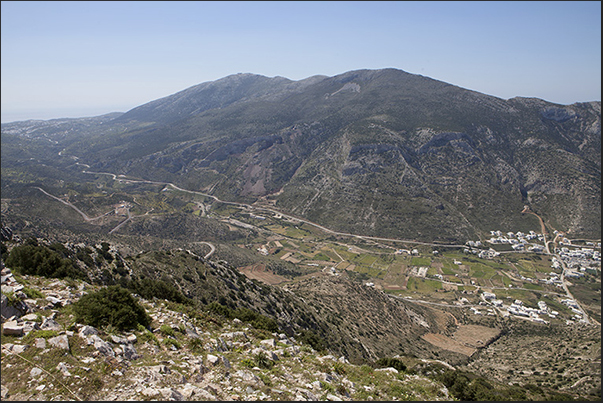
[
  {"x": 129, "y": 352},
  {"x": 118, "y": 339},
  {"x": 50, "y": 324},
  {"x": 40, "y": 342},
  {"x": 59, "y": 341},
  {"x": 54, "y": 301},
  {"x": 171, "y": 394},
  {"x": 102, "y": 346},
  {"x": 212, "y": 359},
  {"x": 225, "y": 362},
  {"x": 150, "y": 392},
  {"x": 161, "y": 369},
  {"x": 8, "y": 310},
  {"x": 388, "y": 369},
  {"x": 87, "y": 331},
  {"x": 15, "y": 348},
  {"x": 191, "y": 333},
  {"x": 12, "y": 328},
  {"x": 247, "y": 376},
  {"x": 270, "y": 343},
  {"x": 29, "y": 326},
  {"x": 188, "y": 391},
  {"x": 30, "y": 317},
  {"x": 61, "y": 366}
]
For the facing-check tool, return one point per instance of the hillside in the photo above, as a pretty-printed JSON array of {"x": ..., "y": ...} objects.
[
  {"x": 200, "y": 355},
  {"x": 372, "y": 152},
  {"x": 218, "y": 318},
  {"x": 368, "y": 220},
  {"x": 184, "y": 355}
]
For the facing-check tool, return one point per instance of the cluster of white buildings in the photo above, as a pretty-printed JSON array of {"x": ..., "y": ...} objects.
[
  {"x": 575, "y": 308},
  {"x": 519, "y": 240},
  {"x": 414, "y": 252},
  {"x": 553, "y": 277},
  {"x": 580, "y": 260},
  {"x": 517, "y": 308}
]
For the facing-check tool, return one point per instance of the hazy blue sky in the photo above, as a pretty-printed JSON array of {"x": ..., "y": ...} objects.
[{"x": 72, "y": 59}]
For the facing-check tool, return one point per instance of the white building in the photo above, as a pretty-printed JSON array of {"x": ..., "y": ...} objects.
[{"x": 487, "y": 296}]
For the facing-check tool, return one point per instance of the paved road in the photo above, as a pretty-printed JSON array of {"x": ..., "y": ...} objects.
[
  {"x": 212, "y": 249},
  {"x": 72, "y": 206},
  {"x": 327, "y": 230},
  {"x": 122, "y": 223},
  {"x": 290, "y": 217},
  {"x": 563, "y": 266}
]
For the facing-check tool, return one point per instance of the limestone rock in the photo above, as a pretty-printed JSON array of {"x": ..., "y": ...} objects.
[
  {"x": 50, "y": 324},
  {"x": 40, "y": 342},
  {"x": 60, "y": 342},
  {"x": 102, "y": 346},
  {"x": 87, "y": 331},
  {"x": 129, "y": 352},
  {"x": 35, "y": 372},
  {"x": 212, "y": 359},
  {"x": 12, "y": 328},
  {"x": 270, "y": 343}
]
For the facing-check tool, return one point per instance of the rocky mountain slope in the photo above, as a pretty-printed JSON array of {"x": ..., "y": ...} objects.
[
  {"x": 187, "y": 354},
  {"x": 376, "y": 152},
  {"x": 311, "y": 306},
  {"x": 46, "y": 356}
]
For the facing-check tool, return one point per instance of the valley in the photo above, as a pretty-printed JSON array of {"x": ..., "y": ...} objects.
[
  {"x": 405, "y": 268},
  {"x": 403, "y": 218}
]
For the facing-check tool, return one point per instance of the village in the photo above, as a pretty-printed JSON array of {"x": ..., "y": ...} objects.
[{"x": 567, "y": 260}]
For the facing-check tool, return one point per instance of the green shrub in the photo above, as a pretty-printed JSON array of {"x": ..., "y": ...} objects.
[
  {"x": 147, "y": 336},
  {"x": 309, "y": 337},
  {"x": 167, "y": 330},
  {"x": 248, "y": 362},
  {"x": 365, "y": 369},
  {"x": 338, "y": 368},
  {"x": 149, "y": 288},
  {"x": 41, "y": 261},
  {"x": 31, "y": 293},
  {"x": 172, "y": 342},
  {"x": 262, "y": 361},
  {"x": 196, "y": 345},
  {"x": 257, "y": 320},
  {"x": 113, "y": 306}
]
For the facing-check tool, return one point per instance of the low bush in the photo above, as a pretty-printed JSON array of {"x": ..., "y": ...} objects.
[
  {"x": 42, "y": 261},
  {"x": 257, "y": 320},
  {"x": 310, "y": 338},
  {"x": 113, "y": 306},
  {"x": 150, "y": 288}
]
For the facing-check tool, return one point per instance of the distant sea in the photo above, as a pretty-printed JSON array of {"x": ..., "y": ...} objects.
[{"x": 9, "y": 115}]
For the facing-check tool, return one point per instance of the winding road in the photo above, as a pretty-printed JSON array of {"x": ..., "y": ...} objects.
[{"x": 290, "y": 217}]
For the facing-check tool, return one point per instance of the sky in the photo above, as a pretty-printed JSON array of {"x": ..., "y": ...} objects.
[{"x": 86, "y": 58}]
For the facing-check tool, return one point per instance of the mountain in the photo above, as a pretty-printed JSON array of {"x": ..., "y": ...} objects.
[{"x": 371, "y": 152}]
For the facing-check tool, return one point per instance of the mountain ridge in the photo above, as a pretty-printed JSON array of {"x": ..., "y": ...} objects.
[{"x": 405, "y": 152}]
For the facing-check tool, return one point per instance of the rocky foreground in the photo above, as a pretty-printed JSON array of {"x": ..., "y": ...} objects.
[{"x": 183, "y": 355}]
